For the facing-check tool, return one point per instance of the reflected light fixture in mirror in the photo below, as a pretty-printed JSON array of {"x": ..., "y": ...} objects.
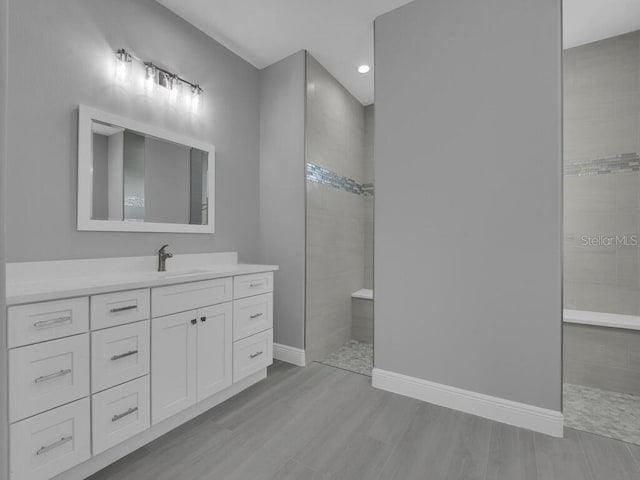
[
  {"x": 364, "y": 69},
  {"x": 155, "y": 76}
]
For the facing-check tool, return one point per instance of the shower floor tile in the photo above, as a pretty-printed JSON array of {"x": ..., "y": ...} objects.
[
  {"x": 610, "y": 414},
  {"x": 353, "y": 356}
]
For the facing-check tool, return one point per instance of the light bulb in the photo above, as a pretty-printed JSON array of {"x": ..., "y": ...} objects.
[
  {"x": 123, "y": 65},
  {"x": 364, "y": 69},
  {"x": 196, "y": 92},
  {"x": 174, "y": 88},
  {"x": 150, "y": 76},
  {"x": 185, "y": 96}
]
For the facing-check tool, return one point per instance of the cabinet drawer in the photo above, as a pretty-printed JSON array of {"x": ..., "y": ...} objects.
[
  {"x": 252, "y": 315},
  {"x": 118, "y": 308},
  {"x": 189, "y": 296},
  {"x": 119, "y": 354},
  {"x": 47, "y": 375},
  {"x": 252, "y": 354},
  {"x": 119, "y": 413},
  {"x": 38, "y": 322},
  {"x": 50, "y": 443},
  {"x": 255, "y": 284}
]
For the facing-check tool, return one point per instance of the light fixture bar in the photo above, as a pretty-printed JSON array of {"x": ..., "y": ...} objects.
[{"x": 123, "y": 56}]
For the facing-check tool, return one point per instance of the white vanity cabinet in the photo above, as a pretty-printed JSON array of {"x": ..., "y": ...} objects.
[{"x": 120, "y": 368}]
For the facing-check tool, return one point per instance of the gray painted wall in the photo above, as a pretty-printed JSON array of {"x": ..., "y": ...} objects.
[
  {"x": 61, "y": 55},
  {"x": 468, "y": 196},
  {"x": 335, "y": 217},
  {"x": 282, "y": 192},
  {"x": 4, "y": 427},
  {"x": 602, "y": 120},
  {"x": 369, "y": 124}
]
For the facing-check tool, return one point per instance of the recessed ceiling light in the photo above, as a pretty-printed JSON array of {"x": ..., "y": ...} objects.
[{"x": 364, "y": 68}]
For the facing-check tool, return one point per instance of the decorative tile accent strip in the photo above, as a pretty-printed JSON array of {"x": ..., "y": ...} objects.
[
  {"x": 133, "y": 201},
  {"x": 318, "y": 174},
  {"x": 627, "y": 162}
]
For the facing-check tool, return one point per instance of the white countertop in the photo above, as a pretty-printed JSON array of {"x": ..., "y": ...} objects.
[{"x": 29, "y": 290}]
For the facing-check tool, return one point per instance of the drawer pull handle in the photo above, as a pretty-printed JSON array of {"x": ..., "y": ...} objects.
[
  {"x": 203, "y": 319},
  {"x": 122, "y": 309},
  {"x": 57, "y": 444},
  {"x": 123, "y": 355},
  {"x": 194, "y": 321},
  {"x": 117, "y": 417},
  {"x": 51, "y": 376},
  {"x": 254, "y": 285},
  {"x": 255, "y": 315},
  {"x": 52, "y": 322},
  {"x": 257, "y": 354}
]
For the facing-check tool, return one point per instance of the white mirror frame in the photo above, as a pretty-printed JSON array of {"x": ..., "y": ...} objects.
[{"x": 85, "y": 176}]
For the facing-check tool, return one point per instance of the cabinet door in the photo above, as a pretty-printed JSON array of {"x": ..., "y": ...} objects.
[
  {"x": 173, "y": 364},
  {"x": 215, "y": 371}
]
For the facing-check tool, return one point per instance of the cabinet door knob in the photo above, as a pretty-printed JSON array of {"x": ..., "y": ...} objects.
[
  {"x": 194, "y": 321},
  {"x": 203, "y": 319}
]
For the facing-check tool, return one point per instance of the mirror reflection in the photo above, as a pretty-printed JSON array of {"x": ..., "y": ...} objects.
[{"x": 141, "y": 178}]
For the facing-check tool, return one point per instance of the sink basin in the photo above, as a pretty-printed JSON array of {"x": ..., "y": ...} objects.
[{"x": 179, "y": 273}]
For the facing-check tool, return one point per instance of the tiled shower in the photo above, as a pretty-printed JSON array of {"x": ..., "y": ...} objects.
[
  {"x": 601, "y": 235},
  {"x": 339, "y": 232}
]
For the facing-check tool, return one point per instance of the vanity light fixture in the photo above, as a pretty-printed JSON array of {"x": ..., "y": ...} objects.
[
  {"x": 364, "y": 69},
  {"x": 157, "y": 76}
]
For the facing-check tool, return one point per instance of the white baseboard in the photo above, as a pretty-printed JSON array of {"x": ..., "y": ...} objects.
[
  {"x": 289, "y": 354},
  {"x": 513, "y": 413}
]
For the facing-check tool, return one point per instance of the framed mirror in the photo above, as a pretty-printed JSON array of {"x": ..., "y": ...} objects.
[{"x": 134, "y": 177}]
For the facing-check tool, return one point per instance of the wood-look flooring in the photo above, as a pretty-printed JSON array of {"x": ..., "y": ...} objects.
[{"x": 322, "y": 423}]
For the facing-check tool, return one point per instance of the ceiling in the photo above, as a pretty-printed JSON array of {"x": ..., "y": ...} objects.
[
  {"x": 338, "y": 33},
  {"x": 586, "y": 21}
]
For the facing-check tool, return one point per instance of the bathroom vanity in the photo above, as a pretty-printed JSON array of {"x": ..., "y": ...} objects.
[{"x": 106, "y": 355}]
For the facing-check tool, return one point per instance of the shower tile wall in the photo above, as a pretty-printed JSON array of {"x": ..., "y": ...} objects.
[
  {"x": 602, "y": 182},
  {"x": 335, "y": 210}
]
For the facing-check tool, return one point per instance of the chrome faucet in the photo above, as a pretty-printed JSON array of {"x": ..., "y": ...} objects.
[{"x": 162, "y": 258}]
